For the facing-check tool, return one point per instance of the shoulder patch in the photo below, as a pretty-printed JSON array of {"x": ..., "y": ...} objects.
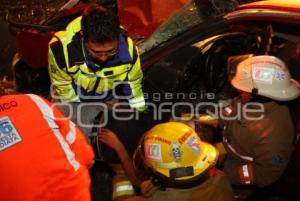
[
  {"x": 58, "y": 52},
  {"x": 9, "y": 135}
]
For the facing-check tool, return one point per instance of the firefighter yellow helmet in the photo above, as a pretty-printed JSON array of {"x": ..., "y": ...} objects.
[
  {"x": 174, "y": 152},
  {"x": 266, "y": 76}
]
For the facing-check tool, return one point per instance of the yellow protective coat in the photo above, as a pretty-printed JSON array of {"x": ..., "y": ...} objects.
[{"x": 74, "y": 80}]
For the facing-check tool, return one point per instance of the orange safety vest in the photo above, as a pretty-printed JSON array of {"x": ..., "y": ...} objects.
[{"x": 43, "y": 156}]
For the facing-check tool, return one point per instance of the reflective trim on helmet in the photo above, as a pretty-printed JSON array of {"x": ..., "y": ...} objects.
[
  {"x": 49, "y": 118},
  {"x": 123, "y": 188},
  {"x": 181, "y": 172}
]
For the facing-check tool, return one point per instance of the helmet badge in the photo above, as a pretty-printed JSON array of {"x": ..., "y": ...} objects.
[{"x": 176, "y": 151}]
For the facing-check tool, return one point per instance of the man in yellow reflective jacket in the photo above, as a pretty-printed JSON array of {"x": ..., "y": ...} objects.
[{"x": 92, "y": 58}]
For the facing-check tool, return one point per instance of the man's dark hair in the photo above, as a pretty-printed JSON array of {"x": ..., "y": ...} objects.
[{"x": 100, "y": 25}]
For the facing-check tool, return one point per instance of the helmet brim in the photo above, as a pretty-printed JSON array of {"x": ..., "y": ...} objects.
[
  {"x": 206, "y": 160},
  {"x": 290, "y": 93}
]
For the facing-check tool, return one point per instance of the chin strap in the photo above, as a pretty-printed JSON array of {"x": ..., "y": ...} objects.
[{"x": 254, "y": 91}]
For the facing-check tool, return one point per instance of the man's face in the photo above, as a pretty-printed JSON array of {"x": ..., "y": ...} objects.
[{"x": 101, "y": 52}]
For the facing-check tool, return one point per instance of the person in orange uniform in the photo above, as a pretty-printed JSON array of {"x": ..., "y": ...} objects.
[{"x": 43, "y": 156}]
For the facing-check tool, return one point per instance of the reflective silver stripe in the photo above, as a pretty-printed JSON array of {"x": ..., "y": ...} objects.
[
  {"x": 71, "y": 136},
  {"x": 124, "y": 188},
  {"x": 136, "y": 105},
  {"x": 247, "y": 158},
  {"x": 246, "y": 174},
  {"x": 137, "y": 102},
  {"x": 49, "y": 117},
  {"x": 245, "y": 171},
  {"x": 228, "y": 110}
]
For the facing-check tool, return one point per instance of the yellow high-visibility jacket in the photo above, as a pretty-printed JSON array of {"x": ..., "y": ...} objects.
[{"x": 76, "y": 78}]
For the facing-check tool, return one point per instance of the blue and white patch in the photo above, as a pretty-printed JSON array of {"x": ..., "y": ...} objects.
[
  {"x": 279, "y": 75},
  {"x": 9, "y": 135},
  {"x": 263, "y": 74},
  {"x": 193, "y": 144}
]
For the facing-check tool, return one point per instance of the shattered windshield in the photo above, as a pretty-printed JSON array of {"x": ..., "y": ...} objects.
[{"x": 190, "y": 15}]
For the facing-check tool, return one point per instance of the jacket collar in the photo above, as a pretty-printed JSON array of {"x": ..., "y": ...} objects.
[{"x": 122, "y": 55}]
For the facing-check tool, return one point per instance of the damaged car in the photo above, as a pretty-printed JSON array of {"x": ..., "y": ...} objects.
[{"x": 191, "y": 57}]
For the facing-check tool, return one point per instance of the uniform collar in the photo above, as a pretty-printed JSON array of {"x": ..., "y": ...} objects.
[{"x": 122, "y": 55}]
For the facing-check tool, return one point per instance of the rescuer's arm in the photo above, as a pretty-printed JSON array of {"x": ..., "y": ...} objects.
[
  {"x": 269, "y": 161},
  {"x": 135, "y": 77},
  {"x": 111, "y": 140}
]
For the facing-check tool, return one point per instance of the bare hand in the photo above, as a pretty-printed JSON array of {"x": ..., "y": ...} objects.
[{"x": 110, "y": 139}]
